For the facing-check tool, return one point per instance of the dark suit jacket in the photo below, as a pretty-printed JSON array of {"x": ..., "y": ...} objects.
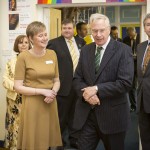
[
  {"x": 114, "y": 80},
  {"x": 65, "y": 64},
  {"x": 120, "y": 40},
  {"x": 81, "y": 38},
  {"x": 143, "y": 80}
]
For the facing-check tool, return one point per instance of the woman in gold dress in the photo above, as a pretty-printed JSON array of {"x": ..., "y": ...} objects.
[{"x": 37, "y": 79}]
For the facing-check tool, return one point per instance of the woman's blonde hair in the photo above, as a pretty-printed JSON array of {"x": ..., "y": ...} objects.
[{"x": 34, "y": 28}]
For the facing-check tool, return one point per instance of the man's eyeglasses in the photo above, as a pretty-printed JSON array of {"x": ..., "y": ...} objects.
[{"x": 94, "y": 31}]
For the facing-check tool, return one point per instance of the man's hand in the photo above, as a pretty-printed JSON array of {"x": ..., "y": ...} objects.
[
  {"x": 94, "y": 100},
  {"x": 88, "y": 92}
]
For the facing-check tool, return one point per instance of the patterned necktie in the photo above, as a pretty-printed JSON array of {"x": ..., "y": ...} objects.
[
  {"x": 73, "y": 54},
  {"x": 146, "y": 59},
  {"x": 97, "y": 58}
]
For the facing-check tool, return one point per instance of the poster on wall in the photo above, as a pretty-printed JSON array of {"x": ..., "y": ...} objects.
[
  {"x": 23, "y": 5},
  {"x": 88, "y": 1},
  {"x": 13, "y": 21},
  {"x": 19, "y": 17},
  {"x": 12, "y": 5}
]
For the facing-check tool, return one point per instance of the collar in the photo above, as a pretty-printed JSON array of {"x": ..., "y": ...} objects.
[{"x": 72, "y": 39}]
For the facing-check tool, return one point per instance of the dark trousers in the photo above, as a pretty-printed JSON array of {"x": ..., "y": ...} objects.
[
  {"x": 66, "y": 108},
  {"x": 91, "y": 134},
  {"x": 144, "y": 125}
]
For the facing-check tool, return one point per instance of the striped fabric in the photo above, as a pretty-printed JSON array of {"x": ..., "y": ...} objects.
[
  {"x": 146, "y": 59},
  {"x": 97, "y": 58},
  {"x": 73, "y": 54}
]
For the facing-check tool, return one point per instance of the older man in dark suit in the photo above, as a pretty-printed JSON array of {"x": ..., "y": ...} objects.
[
  {"x": 102, "y": 79},
  {"x": 67, "y": 48},
  {"x": 143, "y": 72}
]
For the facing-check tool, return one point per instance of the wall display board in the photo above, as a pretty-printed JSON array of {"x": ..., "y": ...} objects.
[{"x": 19, "y": 17}]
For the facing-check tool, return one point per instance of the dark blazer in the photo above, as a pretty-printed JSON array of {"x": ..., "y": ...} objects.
[
  {"x": 127, "y": 41},
  {"x": 119, "y": 39},
  {"x": 65, "y": 64},
  {"x": 114, "y": 80},
  {"x": 81, "y": 38},
  {"x": 143, "y": 80}
]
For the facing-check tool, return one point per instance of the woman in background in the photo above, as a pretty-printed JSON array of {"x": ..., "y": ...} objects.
[
  {"x": 37, "y": 79},
  {"x": 13, "y": 99}
]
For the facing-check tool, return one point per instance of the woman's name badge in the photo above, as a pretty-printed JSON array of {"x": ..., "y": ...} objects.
[{"x": 49, "y": 62}]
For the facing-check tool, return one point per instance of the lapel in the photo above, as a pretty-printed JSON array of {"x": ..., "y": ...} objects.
[
  {"x": 91, "y": 60},
  {"x": 79, "y": 42},
  {"x": 109, "y": 52},
  {"x": 141, "y": 52},
  {"x": 65, "y": 48},
  {"x": 144, "y": 47}
]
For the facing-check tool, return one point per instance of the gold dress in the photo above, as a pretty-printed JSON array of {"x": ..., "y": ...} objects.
[{"x": 39, "y": 124}]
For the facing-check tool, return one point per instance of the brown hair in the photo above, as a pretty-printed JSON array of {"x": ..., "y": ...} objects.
[
  {"x": 67, "y": 21},
  {"x": 34, "y": 28},
  {"x": 18, "y": 40}
]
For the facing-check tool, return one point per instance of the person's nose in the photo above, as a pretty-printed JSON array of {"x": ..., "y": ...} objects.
[{"x": 99, "y": 33}]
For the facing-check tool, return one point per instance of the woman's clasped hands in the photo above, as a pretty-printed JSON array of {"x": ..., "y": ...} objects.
[{"x": 50, "y": 95}]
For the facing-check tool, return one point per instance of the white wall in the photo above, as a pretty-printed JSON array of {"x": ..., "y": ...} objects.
[{"x": 36, "y": 14}]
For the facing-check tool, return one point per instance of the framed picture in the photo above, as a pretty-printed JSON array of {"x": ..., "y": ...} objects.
[{"x": 12, "y": 5}]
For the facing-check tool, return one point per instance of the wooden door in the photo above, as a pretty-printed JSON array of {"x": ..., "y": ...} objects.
[{"x": 55, "y": 23}]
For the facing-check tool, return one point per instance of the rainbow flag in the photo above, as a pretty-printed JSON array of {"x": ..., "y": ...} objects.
[
  {"x": 53, "y": 1},
  {"x": 70, "y": 1}
]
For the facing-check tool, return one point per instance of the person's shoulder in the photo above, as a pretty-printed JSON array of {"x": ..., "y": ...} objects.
[
  {"x": 122, "y": 47},
  {"x": 144, "y": 43},
  {"x": 119, "y": 39},
  {"x": 51, "y": 52},
  {"x": 77, "y": 38},
  {"x": 12, "y": 60},
  {"x": 126, "y": 38},
  {"x": 23, "y": 54},
  {"x": 88, "y": 47},
  {"x": 56, "y": 39}
]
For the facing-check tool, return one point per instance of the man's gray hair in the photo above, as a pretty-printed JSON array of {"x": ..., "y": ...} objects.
[
  {"x": 97, "y": 16},
  {"x": 146, "y": 17}
]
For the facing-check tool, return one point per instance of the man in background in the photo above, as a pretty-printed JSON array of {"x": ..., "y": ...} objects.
[
  {"x": 133, "y": 39},
  {"x": 67, "y": 48},
  {"x": 114, "y": 33},
  {"x": 81, "y": 29}
]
